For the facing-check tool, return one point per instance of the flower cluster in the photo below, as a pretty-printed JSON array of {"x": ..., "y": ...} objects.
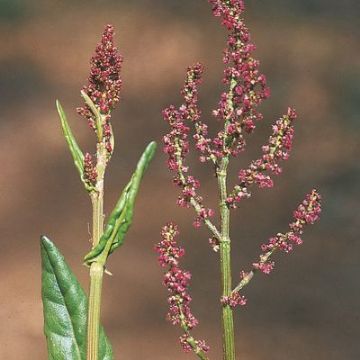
[
  {"x": 176, "y": 144},
  {"x": 177, "y": 281},
  {"x": 168, "y": 251},
  {"x": 104, "y": 85},
  {"x": 277, "y": 149},
  {"x": 189, "y": 344},
  {"x": 238, "y": 112},
  {"x": 247, "y": 86},
  {"x": 192, "y": 112},
  {"x": 307, "y": 213},
  {"x": 90, "y": 173},
  {"x": 233, "y": 300}
]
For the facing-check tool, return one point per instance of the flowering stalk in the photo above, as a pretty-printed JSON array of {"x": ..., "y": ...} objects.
[
  {"x": 177, "y": 282},
  {"x": 101, "y": 95},
  {"x": 245, "y": 89},
  {"x": 225, "y": 262},
  {"x": 307, "y": 213}
]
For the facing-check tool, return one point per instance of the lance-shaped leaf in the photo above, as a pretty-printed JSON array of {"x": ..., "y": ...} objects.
[
  {"x": 74, "y": 148},
  {"x": 96, "y": 113},
  {"x": 121, "y": 217},
  {"x": 65, "y": 309}
]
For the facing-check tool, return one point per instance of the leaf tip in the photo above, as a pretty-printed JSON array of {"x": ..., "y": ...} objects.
[
  {"x": 45, "y": 241},
  {"x": 153, "y": 145},
  {"x": 151, "y": 148},
  {"x": 58, "y": 105}
]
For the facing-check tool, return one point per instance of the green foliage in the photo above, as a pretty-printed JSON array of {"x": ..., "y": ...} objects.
[
  {"x": 121, "y": 217},
  {"x": 74, "y": 148},
  {"x": 96, "y": 113},
  {"x": 65, "y": 309}
]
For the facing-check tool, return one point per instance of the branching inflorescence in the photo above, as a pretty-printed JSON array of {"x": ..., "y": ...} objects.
[{"x": 237, "y": 113}]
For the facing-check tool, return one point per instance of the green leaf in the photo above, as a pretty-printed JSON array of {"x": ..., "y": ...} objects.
[
  {"x": 121, "y": 217},
  {"x": 96, "y": 113},
  {"x": 75, "y": 150},
  {"x": 65, "y": 309}
]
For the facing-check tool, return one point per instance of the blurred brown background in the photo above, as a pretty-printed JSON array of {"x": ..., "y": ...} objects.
[{"x": 308, "y": 308}]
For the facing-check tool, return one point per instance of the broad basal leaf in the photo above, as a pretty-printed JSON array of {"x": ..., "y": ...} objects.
[{"x": 65, "y": 309}]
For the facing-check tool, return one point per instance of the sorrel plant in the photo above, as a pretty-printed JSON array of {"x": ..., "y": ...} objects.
[
  {"x": 72, "y": 319},
  {"x": 237, "y": 114}
]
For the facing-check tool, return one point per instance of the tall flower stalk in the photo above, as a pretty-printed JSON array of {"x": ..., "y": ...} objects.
[
  {"x": 237, "y": 113},
  {"x": 81, "y": 329},
  {"x": 100, "y": 95}
]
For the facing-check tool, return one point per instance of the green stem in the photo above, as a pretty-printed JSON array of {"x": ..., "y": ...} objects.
[
  {"x": 190, "y": 340},
  {"x": 96, "y": 276},
  {"x": 97, "y": 114},
  {"x": 249, "y": 276},
  {"x": 96, "y": 268},
  {"x": 225, "y": 264},
  {"x": 97, "y": 201},
  {"x": 199, "y": 353}
]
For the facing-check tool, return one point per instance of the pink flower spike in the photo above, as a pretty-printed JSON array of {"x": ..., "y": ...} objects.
[
  {"x": 177, "y": 280},
  {"x": 307, "y": 213},
  {"x": 247, "y": 86},
  {"x": 278, "y": 148},
  {"x": 104, "y": 83}
]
